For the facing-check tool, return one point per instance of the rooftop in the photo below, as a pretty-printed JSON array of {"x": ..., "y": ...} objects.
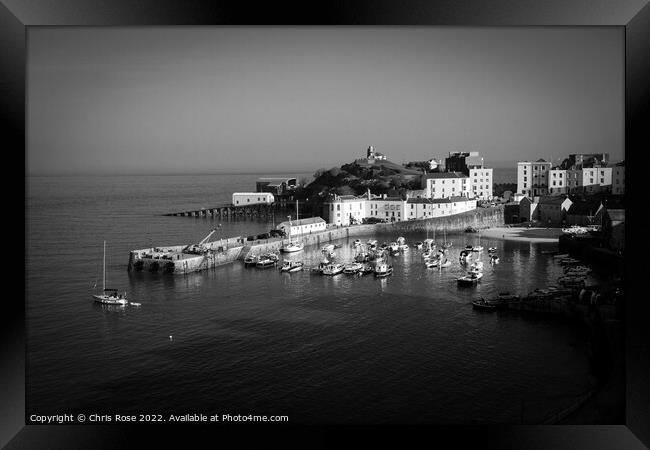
[
  {"x": 584, "y": 207},
  {"x": 295, "y": 223},
  {"x": 552, "y": 200},
  {"x": 444, "y": 175}
]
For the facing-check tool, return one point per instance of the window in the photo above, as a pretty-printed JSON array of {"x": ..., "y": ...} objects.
[
  {"x": 525, "y": 178},
  {"x": 338, "y": 207},
  {"x": 248, "y": 200}
]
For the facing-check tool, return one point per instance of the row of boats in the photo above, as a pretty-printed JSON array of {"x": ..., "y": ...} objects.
[
  {"x": 371, "y": 258},
  {"x": 572, "y": 281}
]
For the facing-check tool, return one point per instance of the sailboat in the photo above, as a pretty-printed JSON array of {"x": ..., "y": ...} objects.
[
  {"x": 292, "y": 246},
  {"x": 446, "y": 244},
  {"x": 478, "y": 248},
  {"x": 109, "y": 296}
]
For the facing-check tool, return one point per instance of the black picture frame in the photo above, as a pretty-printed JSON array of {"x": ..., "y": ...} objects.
[{"x": 634, "y": 16}]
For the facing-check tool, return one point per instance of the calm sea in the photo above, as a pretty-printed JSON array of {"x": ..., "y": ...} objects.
[{"x": 408, "y": 348}]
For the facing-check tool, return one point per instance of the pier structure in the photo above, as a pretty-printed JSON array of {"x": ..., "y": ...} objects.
[{"x": 228, "y": 210}]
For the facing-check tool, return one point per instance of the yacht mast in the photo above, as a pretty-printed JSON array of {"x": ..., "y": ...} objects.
[{"x": 104, "y": 272}]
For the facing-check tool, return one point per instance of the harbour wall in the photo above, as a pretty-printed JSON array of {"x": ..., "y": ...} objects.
[
  {"x": 168, "y": 259},
  {"x": 478, "y": 218},
  {"x": 224, "y": 251}
]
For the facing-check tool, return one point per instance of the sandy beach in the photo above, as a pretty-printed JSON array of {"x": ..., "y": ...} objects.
[{"x": 523, "y": 234}]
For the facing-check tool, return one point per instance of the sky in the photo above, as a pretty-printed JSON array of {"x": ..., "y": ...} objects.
[{"x": 183, "y": 100}]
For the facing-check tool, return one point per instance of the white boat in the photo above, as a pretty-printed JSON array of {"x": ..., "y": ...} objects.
[
  {"x": 494, "y": 259},
  {"x": 470, "y": 279},
  {"x": 357, "y": 242},
  {"x": 291, "y": 266},
  {"x": 265, "y": 261},
  {"x": 479, "y": 247},
  {"x": 109, "y": 296},
  {"x": 431, "y": 263},
  {"x": 561, "y": 255},
  {"x": 418, "y": 245},
  {"x": 332, "y": 269},
  {"x": 476, "y": 265},
  {"x": 442, "y": 265},
  {"x": 429, "y": 244},
  {"x": 494, "y": 249},
  {"x": 292, "y": 246},
  {"x": 327, "y": 248},
  {"x": 446, "y": 244},
  {"x": 352, "y": 268},
  {"x": 383, "y": 270},
  {"x": 250, "y": 260}
]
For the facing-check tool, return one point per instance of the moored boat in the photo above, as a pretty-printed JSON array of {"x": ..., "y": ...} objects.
[
  {"x": 109, "y": 296},
  {"x": 265, "y": 261},
  {"x": 352, "y": 268},
  {"x": 292, "y": 247},
  {"x": 484, "y": 305},
  {"x": 250, "y": 260},
  {"x": 383, "y": 270},
  {"x": 332, "y": 269},
  {"x": 291, "y": 266},
  {"x": 470, "y": 279}
]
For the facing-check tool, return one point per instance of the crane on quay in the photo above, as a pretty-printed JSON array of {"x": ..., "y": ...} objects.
[{"x": 199, "y": 248}]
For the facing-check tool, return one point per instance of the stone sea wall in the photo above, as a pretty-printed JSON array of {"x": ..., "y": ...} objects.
[{"x": 478, "y": 218}]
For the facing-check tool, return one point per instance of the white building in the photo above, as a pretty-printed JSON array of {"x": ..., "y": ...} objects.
[
  {"x": 447, "y": 184},
  {"x": 618, "y": 179},
  {"x": 589, "y": 180},
  {"x": 252, "y": 198},
  {"x": 346, "y": 210},
  {"x": 302, "y": 226},
  {"x": 532, "y": 177},
  {"x": 557, "y": 181},
  {"x": 480, "y": 179},
  {"x": 423, "y": 208},
  {"x": 390, "y": 209}
]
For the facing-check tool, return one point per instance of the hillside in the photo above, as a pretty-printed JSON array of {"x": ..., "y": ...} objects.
[{"x": 357, "y": 177}]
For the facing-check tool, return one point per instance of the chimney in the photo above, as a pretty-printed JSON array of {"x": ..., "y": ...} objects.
[{"x": 369, "y": 196}]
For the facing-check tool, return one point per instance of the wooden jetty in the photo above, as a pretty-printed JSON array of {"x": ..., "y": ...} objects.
[{"x": 230, "y": 210}]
